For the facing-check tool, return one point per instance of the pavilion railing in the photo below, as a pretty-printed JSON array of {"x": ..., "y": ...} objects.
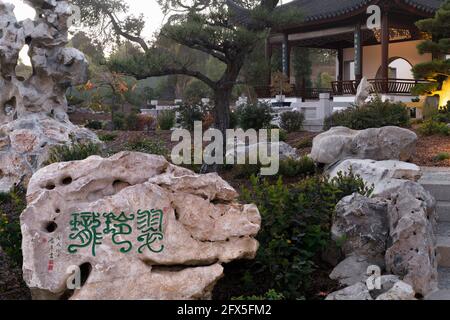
[
  {"x": 389, "y": 86},
  {"x": 305, "y": 93}
]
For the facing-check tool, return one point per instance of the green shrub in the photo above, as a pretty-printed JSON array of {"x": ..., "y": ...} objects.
[
  {"x": 269, "y": 295},
  {"x": 292, "y": 121},
  {"x": 375, "y": 114},
  {"x": 431, "y": 127},
  {"x": 254, "y": 116},
  {"x": 94, "y": 125},
  {"x": 296, "y": 224},
  {"x": 147, "y": 146},
  {"x": 11, "y": 206},
  {"x": 282, "y": 134},
  {"x": 293, "y": 168},
  {"x": 349, "y": 183},
  {"x": 118, "y": 121},
  {"x": 441, "y": 157},
  {"x": 78, "y": 151},
  {"x": 304, "y": 143},
  {"x": 107, "y": 137},
  {"x": 166, "y": 119},
  {"x": 132, "y": 122},
  {"x": 189, "y": 114}
]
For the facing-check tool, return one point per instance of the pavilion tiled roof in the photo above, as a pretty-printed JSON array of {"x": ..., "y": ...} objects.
[
  {"x": 327, "y": 9},
  {"x": 316, "y": 10}
]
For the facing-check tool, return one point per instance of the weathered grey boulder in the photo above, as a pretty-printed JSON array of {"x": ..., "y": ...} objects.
[
  {"x": 352, "y": 269},
  {"x": 412, "y": 253},
  {"x": 136, "y": 226},
  {"x": 360, "y": 225},
  {"x": 382, "y": 175},
  {"x": 340, "y": 143},
  {"x": 400, "y": 291},
  {"x": 242, "y": 150},
  {"x": 33, "y": 111},
  {"x": 410, "y": 245},
  {"x": 358, "y": 291}
]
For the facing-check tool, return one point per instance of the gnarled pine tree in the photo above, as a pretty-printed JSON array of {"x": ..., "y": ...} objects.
[{"x": 224, "y": 29}]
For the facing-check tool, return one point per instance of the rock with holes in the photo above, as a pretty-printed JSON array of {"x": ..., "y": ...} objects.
[
  {"x": 360, "y": 225},
  {"x": 340, "y": 143},
  {"x": 384, "y": 176},
  {"x": 136, "y": 226},
  {"x": 33, "y": 111},
  {"x": 412, "y": 253}
]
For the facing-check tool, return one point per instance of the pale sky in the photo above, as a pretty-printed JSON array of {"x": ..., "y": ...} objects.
[{"x": 150, "y": 8}]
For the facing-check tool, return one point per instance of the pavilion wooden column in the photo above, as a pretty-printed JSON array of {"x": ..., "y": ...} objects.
[
  {"x": 385, "y": 49},
  {"x": 340, "y": 75},
  {"x": 286, "y": 56},
  {"x": 358, "y": 54}
]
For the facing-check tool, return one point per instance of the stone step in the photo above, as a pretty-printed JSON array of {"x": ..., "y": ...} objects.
[
  {"x": 443, "y": 244},
  {"x": 443, "y": 211},
  {"x": 437, "y": 182},
  {"x": 444, "y": 286}
]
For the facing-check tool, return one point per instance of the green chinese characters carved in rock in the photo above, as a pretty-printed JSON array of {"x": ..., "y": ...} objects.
[{"x": 88, "y": 230}]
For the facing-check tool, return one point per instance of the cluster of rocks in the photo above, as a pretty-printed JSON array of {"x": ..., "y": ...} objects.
[
  {"x": 33, "y": 111},
  {"x": 197, "y": 226},
  {"x": 393, "y": 229}
]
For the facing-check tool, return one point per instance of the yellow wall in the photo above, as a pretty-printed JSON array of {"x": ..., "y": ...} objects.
[{"x": 372, "y": 56}]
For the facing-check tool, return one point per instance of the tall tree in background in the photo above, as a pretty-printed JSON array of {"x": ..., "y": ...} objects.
[
  {"x": 222, "y": 29},
  {"x": 438, "y": 70}
]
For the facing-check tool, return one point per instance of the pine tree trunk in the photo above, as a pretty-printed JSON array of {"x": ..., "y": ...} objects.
[{"x": 222, "y": 97}]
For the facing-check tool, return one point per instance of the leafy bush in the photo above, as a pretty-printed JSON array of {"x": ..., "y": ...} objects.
[
  {"x": 304, "y": 143},
  {"x": 145, "y": 122},
  {"x": 131, "y": 122},
  {"x": 166, "y": 119},
  {"x": 296, "y": 223},
  {"x": 254, "y": 116},
  {"x": 107, "y": 137},
  {"x": 147, "y": 146},
  {"x": 431, "y": 127},
  {"x": 269, "y": 295},
  {"x": 189, "y": 114},
  {"x": 292, "y": 121},
  {"x": 78, "y": 151},
  {"x": 441, "y": 157},
  {"x": 11, "y": 206},
  {"x": 293, "y": 168},
  {"x": 118, "y": 120},
  {"x": 375, "y": 114},
  {"x": 94, "y": 125}
]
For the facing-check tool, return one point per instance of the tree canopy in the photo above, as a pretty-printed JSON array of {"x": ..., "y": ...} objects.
[{"x": 438, "y": 70}]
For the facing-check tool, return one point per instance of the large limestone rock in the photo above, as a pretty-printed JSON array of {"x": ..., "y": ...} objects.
[
  {"x": 410, "y": 246},
  {"x": 358, "y": 291},
  {"x": 412, "y": 230},
  {"x": 169, "y": 229},
  {"x": 382, "y": 175},
  {"x": 363, "y": 92},
  {"x": 33, "y": 111},
  {"x": 351, "y": 270},
  {"x": 400, "y": 291},
  {"x": 340, "y": 143},
  {"x": 360, "y": 224}
]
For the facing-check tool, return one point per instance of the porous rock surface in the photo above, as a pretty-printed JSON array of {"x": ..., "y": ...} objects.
[
  {"x": 340, "y": 143},
  {"x": 33, "y": 114},
  {"x": 201, "y": 226}
]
